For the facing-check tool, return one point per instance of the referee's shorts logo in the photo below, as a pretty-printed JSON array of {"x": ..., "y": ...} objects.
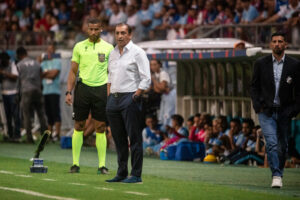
[{"x": 101, "y": 57}]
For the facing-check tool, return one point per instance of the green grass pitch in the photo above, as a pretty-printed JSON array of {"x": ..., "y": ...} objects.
[{"x": 162, "y": 180}]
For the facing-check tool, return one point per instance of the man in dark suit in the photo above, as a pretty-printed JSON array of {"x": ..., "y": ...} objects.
[{"x": 275, "y": 92}]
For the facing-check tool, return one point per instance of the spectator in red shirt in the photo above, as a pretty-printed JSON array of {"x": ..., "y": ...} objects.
[
  {"x": 198, "y": 132},
  {"x": 191, "y": 19},
  {"x": 176, "y": 132},
  {"x": 44, "y": 24}
]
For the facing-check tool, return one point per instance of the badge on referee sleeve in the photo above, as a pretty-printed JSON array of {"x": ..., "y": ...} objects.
[{"x": 101, "y": 57}]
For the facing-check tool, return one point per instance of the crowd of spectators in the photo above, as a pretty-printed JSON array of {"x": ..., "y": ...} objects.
[
  {"x": 231, "y": 141},
  {"x": 235, "y": 141},
  {"x": 156, "y": 19}
]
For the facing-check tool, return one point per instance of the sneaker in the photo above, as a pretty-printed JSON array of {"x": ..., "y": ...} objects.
[
  {"x": 74, "y": 169},
  {"x": 276, "y": 182},
  {"x": 254, "y": 163},
  {"x": 132, "y": 179},
  {"x": 222, "y": 158},
  {"x": 102, "y": 170},
  {"x": 116, "y": 179}
]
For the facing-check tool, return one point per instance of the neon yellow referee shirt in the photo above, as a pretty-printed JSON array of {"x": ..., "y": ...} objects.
[{"x": 93, "y": 61}]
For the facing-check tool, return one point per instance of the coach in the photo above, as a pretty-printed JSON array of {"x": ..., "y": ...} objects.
[
  {"x": 129, "y": 76},
  {"x": 275, "y": 92}
]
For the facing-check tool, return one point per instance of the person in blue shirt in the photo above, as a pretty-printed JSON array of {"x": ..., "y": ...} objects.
[
  {"x": 249, "y": 12},
  {"x": 152, "y": 134},
  {"x": 145, "y": 16},
  {"x": 246, "y": 152},
  {"x": 155, "y": 8},
  {"x": 51, "y": 67},
  {"x": 235, "y": 135},
  {"x": 63, "y": 16}
]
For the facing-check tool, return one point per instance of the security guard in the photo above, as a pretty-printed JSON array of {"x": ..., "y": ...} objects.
[{"x": 91, "y": 58}]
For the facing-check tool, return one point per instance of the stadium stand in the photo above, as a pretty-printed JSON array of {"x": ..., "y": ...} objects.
[{"x": 32, "y": 22}]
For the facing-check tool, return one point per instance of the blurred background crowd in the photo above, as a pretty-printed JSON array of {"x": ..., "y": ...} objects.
[
  {"x": 36, "y": 22},
  {"x": 43, "y": 23}
]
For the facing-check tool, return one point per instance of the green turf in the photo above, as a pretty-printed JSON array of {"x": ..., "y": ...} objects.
[{"x": 161, "y": 179}]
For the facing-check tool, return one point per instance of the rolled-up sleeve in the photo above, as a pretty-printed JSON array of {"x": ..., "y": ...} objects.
[{"x": 144, "y": 70}]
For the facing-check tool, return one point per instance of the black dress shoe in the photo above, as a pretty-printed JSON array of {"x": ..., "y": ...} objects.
[
  {"x": 116, "y": 179},
  {"x": 132, "y": 179}
]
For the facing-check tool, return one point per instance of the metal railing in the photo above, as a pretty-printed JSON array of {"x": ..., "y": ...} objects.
[
  {"x": 37, "y": 40},
  {"x": 257, "y": 34},
  {"x": 218, "y": 105}
]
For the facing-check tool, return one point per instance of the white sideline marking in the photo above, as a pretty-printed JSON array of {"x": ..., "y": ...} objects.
[
  {"x": 5, "y": 172},
  {"x": 21, "y": 175},
  {"x": 103, "y": 188},
  {"x": 77, "y": 183},
  {"x": 164, "y": 199},
  {"x": 48, "y": 179},
  {"x": 29, "y": 192},
  {"x": 136, "y": 193}
]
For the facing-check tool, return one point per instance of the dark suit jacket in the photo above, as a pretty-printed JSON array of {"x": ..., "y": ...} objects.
[{"x": 263, "y": 86}]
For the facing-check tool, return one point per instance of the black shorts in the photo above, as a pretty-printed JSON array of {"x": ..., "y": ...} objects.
[
  {"x": 89, "y": 99},
  {"x": 52, "y": 108}
]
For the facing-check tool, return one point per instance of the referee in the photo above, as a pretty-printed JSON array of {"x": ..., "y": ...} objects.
[{"x": 90, "y": 57}]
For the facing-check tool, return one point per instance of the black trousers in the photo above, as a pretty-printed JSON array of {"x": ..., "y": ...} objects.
[
  {"x": 12, "y": 112},
  {"x": 125, "y": 119},
  {"x": 33, "y": 101}
]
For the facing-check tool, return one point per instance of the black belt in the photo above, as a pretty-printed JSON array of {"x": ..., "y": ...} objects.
[
  {"x": 276, "y": 108},
  {"x": 119, "y": 94}
]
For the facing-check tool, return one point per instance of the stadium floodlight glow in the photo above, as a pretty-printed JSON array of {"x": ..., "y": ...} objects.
[{"x": 38, "y": 163}]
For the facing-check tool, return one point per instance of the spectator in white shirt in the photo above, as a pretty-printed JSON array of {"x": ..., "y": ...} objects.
[
  {"x": 117, "y": 16},
  {"x": 9, "y": 89},
  {"x": 134, "y": 23},
  {"x": 132, "y": 18},
  {"x": 285, "y": 12},
  {"x": 54, "y": 24},
  {"x": 160, "y": 85}
]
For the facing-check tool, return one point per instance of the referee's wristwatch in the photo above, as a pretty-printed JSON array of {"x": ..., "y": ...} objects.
[{"x": 68, "y": 92}]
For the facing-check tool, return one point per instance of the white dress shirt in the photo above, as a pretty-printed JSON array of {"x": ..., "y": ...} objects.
[
  {"x": 129, "y": 71},
  {"x": 277, "y": 70}
]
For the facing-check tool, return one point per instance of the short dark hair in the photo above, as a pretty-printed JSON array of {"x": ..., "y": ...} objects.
[
  {"x": 151, "y": 116},
  {"x": 94, "y": 21},
  {"x": 279, "y": 33},
  {"x": 178, "y": 118},
  {"x": 158, "y": 62},
  {"x": 4, "y": 59},
  {"x": 249, "y": 121},
  {"x": 197, "y": 114},
  {"x": 223, "y": 122},
  {"x": 21, "y": 51},
  {"x": 191, "y": 119},
  {"x": 207, "y": 118},
  {"x": 128, "y": 27},
  {"x": 236, "y": 120}
]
